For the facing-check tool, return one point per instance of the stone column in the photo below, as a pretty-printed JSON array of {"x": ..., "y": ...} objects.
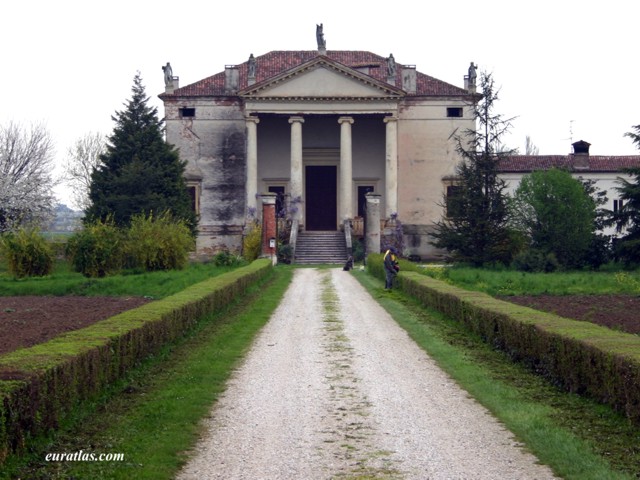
[
  {"x": 346, "y": 169},
  {"x": 296, "y": 166},
  {"x": 269, "y": 227},
  {"x": 251, "y": 186},
  {"x": 391, "y": 167},
  {"x": 372, "y": 222}
]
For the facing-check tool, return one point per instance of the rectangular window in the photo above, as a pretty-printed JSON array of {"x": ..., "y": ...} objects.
[
  {"x": 187, "y": 112},
  {"x": 617, "y": 205},
  {"x": 454, "y": 112},
  {"x": 454, "y": 201},
  {"x": 194, "y": 194},
  {"x": 362, "y": 200}
]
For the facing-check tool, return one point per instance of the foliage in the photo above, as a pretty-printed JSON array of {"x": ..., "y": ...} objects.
[
  {"x": 556, "y": 213},
  {"x": 511, "y": 282},
  {"x": 533, "y": 260},
  {"x": 157, "y": 242},
  {"x": 476, "y": 228},
  {"x": 82, "y": 160},
  {"x": 97, "y": 250},
  {"x": 28, "y": 254},
  {"x": 225, "y": 258},
  {"x": 26, "y": 181},
  {"x": 285, "y": 253},
  {"x": 252, "y": 242},
  {"x": 139, "y": 172}
]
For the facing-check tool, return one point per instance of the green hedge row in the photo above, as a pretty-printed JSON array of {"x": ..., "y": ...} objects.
[
  {"x": 40, "y": 385},
  {"x": 582, "y": 357}
]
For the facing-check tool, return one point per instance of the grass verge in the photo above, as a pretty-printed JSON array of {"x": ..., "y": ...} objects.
[
  {"x": 578, "y": 438},
  {"x": 153, "y": 417}
]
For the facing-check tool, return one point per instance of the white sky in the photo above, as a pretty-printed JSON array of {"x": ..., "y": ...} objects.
[{"x": 566, "y": 68}]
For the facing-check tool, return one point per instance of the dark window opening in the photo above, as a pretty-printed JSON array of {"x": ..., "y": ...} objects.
[
  {"x": 454, "y": 112},
  {"x": 618, "y": 205},
  {"x": 454, "y": 201},
  {"x": 187, "y": 112},
  {"x": 280, "y": 207},
  {"x": 362, "y": 200},
  {"x": 193, "y": 192}
]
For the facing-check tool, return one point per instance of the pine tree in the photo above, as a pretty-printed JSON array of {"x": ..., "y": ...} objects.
[
  {"x": 475, "y": 227},
  {"x": 139, "y": 172}
]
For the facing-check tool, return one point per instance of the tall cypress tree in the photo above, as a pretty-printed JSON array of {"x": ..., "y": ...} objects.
[
  {"x": 475, "y": 227},
  {"x": 139, "y": 172}
]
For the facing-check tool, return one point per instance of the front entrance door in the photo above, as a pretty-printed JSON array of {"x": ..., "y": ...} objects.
[{"x": 321, "y": 197}]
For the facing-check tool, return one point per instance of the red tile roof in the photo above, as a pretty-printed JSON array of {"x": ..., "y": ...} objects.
[
  {"x": 596, "y": 163},
  {"x": 277, "y": 62}
]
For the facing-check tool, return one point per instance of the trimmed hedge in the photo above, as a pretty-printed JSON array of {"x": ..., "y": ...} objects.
[
  {"x": 582, "y": 357},
  {"x": 40, "y": 385}
]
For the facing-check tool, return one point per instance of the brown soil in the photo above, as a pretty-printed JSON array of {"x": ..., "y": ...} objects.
[
  {"x": 619, "y": 312},
  {"x": 29, "y": 320}
]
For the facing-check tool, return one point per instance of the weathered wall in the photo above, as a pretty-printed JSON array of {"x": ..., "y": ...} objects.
[
  {"x": 214, "y": 145},
  {"x": 426, "y": 156}
]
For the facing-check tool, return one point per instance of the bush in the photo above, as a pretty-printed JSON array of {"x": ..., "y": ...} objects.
[
  {"x": 534, "y": 260},
  {"x": 285, "y": 253},
  {"x": 97, "y": 250},
  {"x": 157, "y": 243},
  {"x": 226, "y": 259},
  {"x": 252, "y": 242},
  {"x": 28, "y": 254}
]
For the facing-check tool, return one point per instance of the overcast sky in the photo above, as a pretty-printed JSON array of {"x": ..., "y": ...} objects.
[{"x": 567, "y": 69}]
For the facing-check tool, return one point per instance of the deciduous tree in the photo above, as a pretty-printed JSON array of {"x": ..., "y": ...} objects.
[
  {"x": 26, "y": 175},
  {"x": 82, "y": 159}
]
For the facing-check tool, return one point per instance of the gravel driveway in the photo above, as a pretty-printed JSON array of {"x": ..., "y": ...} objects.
[{"x": 333, "y": 388}]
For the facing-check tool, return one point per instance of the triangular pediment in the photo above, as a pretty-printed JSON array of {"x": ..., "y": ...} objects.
[{"x": 321, "y": 78}]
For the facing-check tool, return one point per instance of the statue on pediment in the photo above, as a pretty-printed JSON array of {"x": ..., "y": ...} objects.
[
  {"x": 472, "y": 74},
  {"x": 320, "y": 37},
  {"x": 252, "y": 66},
  {"x": 391, "y": 66}
]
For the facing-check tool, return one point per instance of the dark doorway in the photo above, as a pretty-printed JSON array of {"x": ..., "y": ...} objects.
[{"x": 321, "y": 197}]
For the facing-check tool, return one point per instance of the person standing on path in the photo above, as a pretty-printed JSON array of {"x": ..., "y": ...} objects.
[{"x": 391, "y": 267}]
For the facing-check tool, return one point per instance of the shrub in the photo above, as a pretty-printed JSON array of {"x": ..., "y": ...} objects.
[
  {"x": 97, "y": 250},
  {"x": 252, "y": 242},
  {"x": 28, "y": 254},
  {"x": 285, "y": 253},
  {"x": 226, "y": 259},
  {"x": 533, "y": 260},
  {"x": 157, "y": 243}
]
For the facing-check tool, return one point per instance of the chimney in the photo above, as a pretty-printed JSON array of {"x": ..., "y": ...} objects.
[
  {"x": 581, "y": 155},
  {"x": 231, "y": 79},
  {"x": 409, "y": 78}
]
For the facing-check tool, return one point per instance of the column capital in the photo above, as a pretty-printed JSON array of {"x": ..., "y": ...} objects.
[
  {"x": 252, "y": 119},
  {"x": 346, "y": 120},
  {"x": 390, "y": 118},
  {"x": 296, "y": 119}
]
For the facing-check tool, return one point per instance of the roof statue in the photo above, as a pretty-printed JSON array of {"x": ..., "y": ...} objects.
[
  {"x": 168, "y": 74},
  {"x": 391, "y": 66},
  {"x": 252, "y": 66},
  {"x": 320, "y": 37},
  {"x": 472, "y": 74}
]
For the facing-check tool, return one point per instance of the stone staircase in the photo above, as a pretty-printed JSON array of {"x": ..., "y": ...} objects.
[{"x": 320, "y": 247}]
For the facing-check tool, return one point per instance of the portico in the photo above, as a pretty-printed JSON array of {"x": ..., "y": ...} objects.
[{"x": 327, "y": 145}]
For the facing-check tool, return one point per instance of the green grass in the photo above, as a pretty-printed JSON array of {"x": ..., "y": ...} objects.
[
  {"x": 506, "y": 282},
  {"x": 578, "y": 438},
  {"x": 150, "y": 284},
  {"x": 154, "y": 416}
]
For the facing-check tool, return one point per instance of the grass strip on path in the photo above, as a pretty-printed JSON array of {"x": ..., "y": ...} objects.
[
  {"x": 577, "y": 438},
  {"x": 155, "y": 416}
]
